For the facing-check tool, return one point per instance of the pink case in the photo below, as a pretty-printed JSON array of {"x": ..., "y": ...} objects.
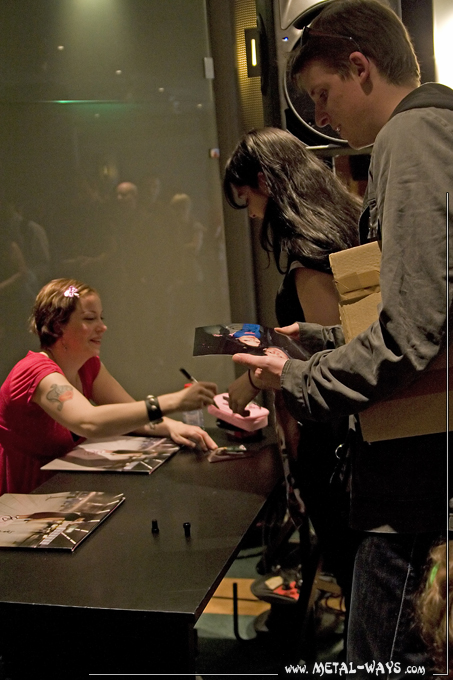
[{"x": 257, "y": 419}]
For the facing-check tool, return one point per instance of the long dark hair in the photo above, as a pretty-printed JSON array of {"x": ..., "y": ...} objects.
[{"x": 309, "y": 214}]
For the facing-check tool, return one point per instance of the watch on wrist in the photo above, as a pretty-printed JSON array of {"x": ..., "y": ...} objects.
[{"x": 155, "y": 415}]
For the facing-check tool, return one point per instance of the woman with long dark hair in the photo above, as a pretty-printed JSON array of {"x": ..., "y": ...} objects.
[{"x": 306, "y": 214}]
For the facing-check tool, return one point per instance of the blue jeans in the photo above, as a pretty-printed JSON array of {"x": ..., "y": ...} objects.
[{"x": 387, "y": 573}]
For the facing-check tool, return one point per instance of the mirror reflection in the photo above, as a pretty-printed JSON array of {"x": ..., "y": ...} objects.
[{"x": 106, "y": 176}]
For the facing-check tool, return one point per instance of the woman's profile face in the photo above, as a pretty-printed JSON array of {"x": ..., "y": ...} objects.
[
  {"x": 255, "y": 200},
  {"x": 83, "y": 333}
]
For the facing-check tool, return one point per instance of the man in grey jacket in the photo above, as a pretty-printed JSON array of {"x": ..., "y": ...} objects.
[{"x": 357, "y": 64}]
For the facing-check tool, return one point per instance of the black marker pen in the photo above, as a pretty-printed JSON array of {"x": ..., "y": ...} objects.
[{"x": 187, "y": 375}]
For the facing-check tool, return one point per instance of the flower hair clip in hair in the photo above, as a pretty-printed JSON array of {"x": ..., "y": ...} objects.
[{"x": 71, "y": 292}]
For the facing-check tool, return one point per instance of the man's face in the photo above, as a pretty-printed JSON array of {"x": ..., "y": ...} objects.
[
  {"x": 126, "y": 194},
  {"x": 340, "y": 103}
]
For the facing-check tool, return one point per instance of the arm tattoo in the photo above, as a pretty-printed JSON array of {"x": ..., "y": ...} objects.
[{"x": 60, "y": 393}]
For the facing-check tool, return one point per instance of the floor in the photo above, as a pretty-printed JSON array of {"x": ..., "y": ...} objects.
[{"x": 260, "y": 653}]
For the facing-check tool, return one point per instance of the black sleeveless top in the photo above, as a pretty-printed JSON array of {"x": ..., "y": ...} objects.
[{"x": 287, "y": 306}]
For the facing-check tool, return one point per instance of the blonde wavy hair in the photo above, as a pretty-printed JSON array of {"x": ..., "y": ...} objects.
[{"x": 431, "y": 607}]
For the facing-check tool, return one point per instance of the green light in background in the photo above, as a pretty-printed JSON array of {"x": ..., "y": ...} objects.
[{"x": 84, "y": 101}]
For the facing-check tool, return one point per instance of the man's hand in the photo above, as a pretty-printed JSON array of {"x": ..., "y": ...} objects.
[{"x": 265, "y": 371}]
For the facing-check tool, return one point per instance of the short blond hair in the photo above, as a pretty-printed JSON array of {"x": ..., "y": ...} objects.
[{"x": 53, "y": 307}]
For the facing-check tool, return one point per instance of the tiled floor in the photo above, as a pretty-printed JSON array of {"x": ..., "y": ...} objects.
[{"x": 256, "y": 654}]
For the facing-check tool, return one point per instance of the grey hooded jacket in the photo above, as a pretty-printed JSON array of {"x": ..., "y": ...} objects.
[{"x": 401, "y": 483}]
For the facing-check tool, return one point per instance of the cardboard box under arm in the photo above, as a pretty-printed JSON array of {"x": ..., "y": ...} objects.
[{"x": 418, "y": 409}]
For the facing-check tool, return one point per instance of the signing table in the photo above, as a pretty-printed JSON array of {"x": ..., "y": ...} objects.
[{"x": 126, "y": 600}]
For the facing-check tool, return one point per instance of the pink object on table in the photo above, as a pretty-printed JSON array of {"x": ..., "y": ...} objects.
[{"x": 257, "y": 418}]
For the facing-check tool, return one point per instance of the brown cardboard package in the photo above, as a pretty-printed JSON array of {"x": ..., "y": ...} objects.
[{"x": 418, "y": 409}]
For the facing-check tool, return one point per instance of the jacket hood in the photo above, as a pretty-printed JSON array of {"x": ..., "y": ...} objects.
[{"x": 429, "y": 94}]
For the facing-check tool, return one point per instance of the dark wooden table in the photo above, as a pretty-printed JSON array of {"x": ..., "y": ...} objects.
[{"x": 126, "y": 601}]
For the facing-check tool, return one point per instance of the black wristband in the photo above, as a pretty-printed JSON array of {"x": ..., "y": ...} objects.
[
  {"x": 250, "y": 381},
  {"x": 155, "y": 414}
]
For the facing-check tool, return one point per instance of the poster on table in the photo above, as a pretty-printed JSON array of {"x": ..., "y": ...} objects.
[
  {"x": 56, "y": 520},
  {"x": 116, "y": 454}
]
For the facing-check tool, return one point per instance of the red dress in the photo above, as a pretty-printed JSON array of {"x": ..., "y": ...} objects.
[{"x": 29, "y": 438}]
